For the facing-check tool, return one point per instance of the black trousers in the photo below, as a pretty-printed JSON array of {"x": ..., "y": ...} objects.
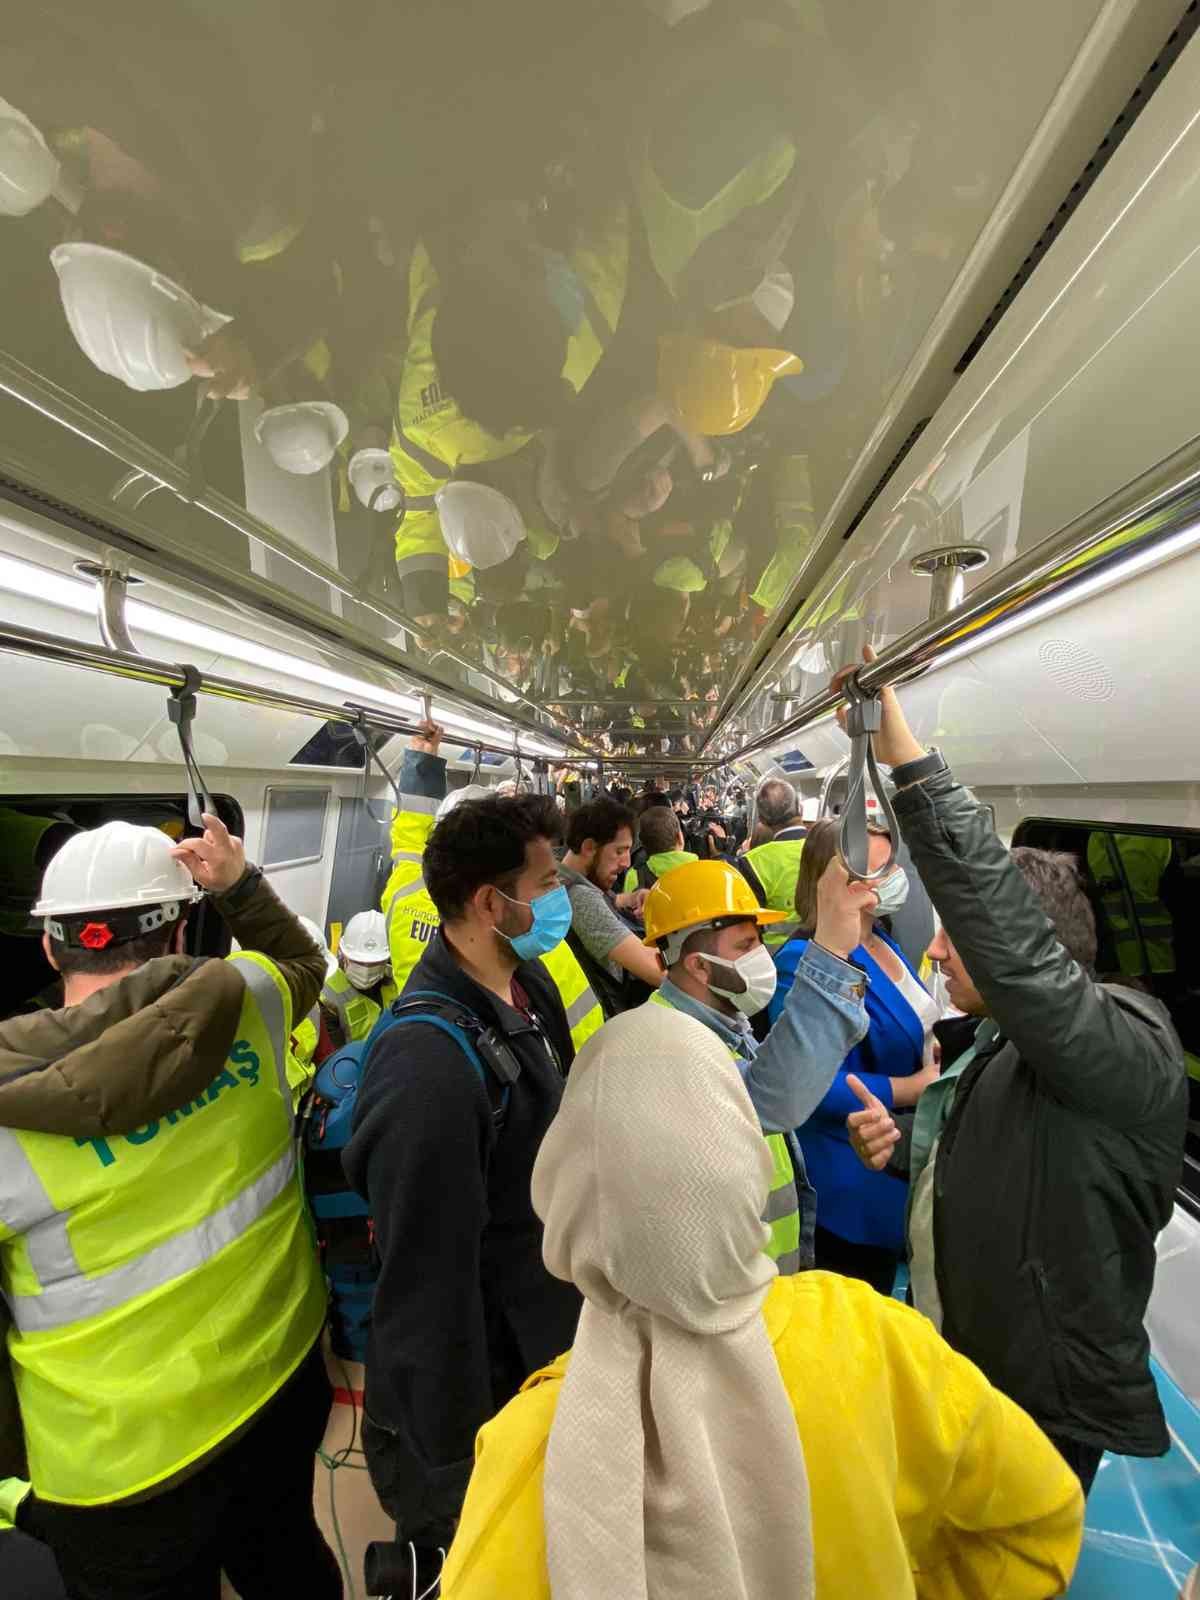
[
  {"x": 1083, "y": 1459},
  {"x": 249, "y": 1511},
  {"x": 872, "y": 1263}
]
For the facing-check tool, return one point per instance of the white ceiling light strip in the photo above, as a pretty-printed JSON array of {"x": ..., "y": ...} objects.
[{"x": 74, "y": 594}]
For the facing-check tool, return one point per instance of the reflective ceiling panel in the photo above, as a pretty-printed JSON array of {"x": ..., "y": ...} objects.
[{"x": 532, "y": 339}]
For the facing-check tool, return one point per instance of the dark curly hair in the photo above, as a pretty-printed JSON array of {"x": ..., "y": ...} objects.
[
  {"x": 485, "y": 841},
  {"x": 1053, "y": 875},
  {"x": 601, "y": 821}
]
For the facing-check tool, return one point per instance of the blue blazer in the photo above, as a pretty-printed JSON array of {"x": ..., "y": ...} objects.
[{"x": 857, "y": 1204}]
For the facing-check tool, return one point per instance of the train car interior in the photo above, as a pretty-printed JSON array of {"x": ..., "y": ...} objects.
[{"x": 595, "y": 382}]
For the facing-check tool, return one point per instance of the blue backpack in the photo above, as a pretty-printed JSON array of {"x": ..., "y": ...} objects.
[{"x": 345, "y": 1230}]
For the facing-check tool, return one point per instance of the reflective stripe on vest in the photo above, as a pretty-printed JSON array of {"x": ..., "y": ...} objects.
[
  {"x": 1128, "y": 869},
  {"x": 782, "y": 1213},
  {"x": 584, "y": 1013},
  {"x": 163, "y": 1283},
  {"x": 676, "y": 231},
  {"x": 356, "y": 1012}
]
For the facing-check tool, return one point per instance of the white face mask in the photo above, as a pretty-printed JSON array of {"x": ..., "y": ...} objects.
[
  {"x": 364, "y": 977},
  {"x": 892, "y": 892},
  {"x": 758, "y": 977}
]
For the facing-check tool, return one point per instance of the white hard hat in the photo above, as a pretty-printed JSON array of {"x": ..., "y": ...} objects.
[
  {"x": 28, "y": 167},
  {"x": 302, "y": 438},
  {"x": 365, "y": 939},
  {"x": 472, "y": 791},
  {"x": 116, "y": 865},
  {"x": 318, "y": 938},
  {"x": 373, "y": 481},
  {"x": 128, "y": 319},
  {"x": 480, "y": 525}
]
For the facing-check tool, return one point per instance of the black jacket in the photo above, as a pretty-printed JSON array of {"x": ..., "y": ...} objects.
[
  {"x": 464, "y": 1309},
  {"x": 1059, "y": 1163}
]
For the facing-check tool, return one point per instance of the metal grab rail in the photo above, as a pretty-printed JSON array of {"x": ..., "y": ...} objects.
[
  {"x": 32, "y": 642},
  {"x": 1151, "y": 510}
]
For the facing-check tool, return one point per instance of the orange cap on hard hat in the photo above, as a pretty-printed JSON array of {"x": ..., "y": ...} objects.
[
  {"x": 716, "y": 388},
  {"x": 699, "y": 893}
]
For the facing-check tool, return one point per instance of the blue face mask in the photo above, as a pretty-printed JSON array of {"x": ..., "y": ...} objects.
[{"x": 551, "y": 924}]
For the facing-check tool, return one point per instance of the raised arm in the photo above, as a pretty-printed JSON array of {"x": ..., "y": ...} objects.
[
  {"x": 256, "y": 916},
  {"x": 823, "y": 1017},
  {"x": 1090, "y": 1051}
]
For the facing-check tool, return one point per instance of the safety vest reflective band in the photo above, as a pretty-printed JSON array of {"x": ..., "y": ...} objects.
[
  {"x": 163, "y": 1284},
  {"x": 356, "y": 1012},
  {"x": 1128, "y": 869},
  {"x": 584, "y": 1013},
  {"x": 776, "y": 865},
  {"x": 675, "y": 231},
  {"x": 782, "y": 1213}
]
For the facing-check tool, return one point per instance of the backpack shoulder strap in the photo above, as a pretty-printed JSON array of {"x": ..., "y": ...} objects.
[{"x": 461, "y": 1024}]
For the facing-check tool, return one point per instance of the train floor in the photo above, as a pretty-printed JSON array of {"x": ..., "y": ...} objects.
[{"x": 1142, "y": 1536}]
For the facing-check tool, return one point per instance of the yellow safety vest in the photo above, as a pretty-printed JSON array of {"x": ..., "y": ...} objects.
[
  {"x": 164, "y": 1284},
  {"x": 411, "y": 916},
  {"x": 431, "y": 436},
  {"x": 413, "y": 921},
  {"x": 584, "y": 1014},
  {"x": 776, "y": 865},
  {"x": 782, "y": 1215},
  {"x": 356, "y": 1012},
  {"x": 674, "y": 231},
  {"x": 1128, "y": 868}
]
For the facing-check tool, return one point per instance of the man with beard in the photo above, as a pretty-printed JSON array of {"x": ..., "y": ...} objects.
[{"x": 618, "y": 965}]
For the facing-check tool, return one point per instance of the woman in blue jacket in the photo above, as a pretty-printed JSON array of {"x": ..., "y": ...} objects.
[{"x": 860, "y": 1214}]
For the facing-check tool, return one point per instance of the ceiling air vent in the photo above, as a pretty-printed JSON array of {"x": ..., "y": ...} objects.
[
  {"x": 881, "y": 482},
  {"x": 1125, "y": 120}
]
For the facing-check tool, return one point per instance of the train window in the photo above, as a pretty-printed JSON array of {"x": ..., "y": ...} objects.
[
  {"x": 1144, "y": 885},
  {"x": 32, "y": 829},
  {"x": 334, "y": 745},
  {"x": 295, "y": 826}
]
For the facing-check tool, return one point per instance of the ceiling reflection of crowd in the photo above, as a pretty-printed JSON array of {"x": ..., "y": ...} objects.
[{"x": 551, "y": 295}]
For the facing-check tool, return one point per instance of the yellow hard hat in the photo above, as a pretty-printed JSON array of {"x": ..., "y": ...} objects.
[
  {"x": 716, "y": 388},
  {"x": 699, "y": 893}
]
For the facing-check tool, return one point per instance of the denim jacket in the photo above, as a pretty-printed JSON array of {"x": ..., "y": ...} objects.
[{"x": 787, "y": 1075}]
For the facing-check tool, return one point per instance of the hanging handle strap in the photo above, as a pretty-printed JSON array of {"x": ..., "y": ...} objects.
[
  {"x": 362, "y": 737},
  {"x": 863, "y": 718},
  {"x": 478, "y": 763},
  {"x": 181, "y": 708}
]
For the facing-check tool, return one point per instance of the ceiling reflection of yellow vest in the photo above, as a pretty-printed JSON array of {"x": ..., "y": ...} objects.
[
  {"x": 431, "y": 436},
  {"x": 1128, "y": 868},
  {"x": 675, "y": 231}
]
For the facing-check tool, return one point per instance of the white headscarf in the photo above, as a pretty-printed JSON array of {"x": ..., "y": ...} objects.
[{"x": 674, "y": 1468}]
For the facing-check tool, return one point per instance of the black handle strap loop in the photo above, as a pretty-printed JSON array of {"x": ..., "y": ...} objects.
[
  {"x": 863, "y": 718},
  {"x": 362, "y": 737},
  {"x": 181, "y": 708}
]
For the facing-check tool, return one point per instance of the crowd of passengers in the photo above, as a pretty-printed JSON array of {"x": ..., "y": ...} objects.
[{"x": 635, "y": 1326}]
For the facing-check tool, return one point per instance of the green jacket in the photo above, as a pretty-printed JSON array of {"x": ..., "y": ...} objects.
[{"x": 133, "y": 1052}]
